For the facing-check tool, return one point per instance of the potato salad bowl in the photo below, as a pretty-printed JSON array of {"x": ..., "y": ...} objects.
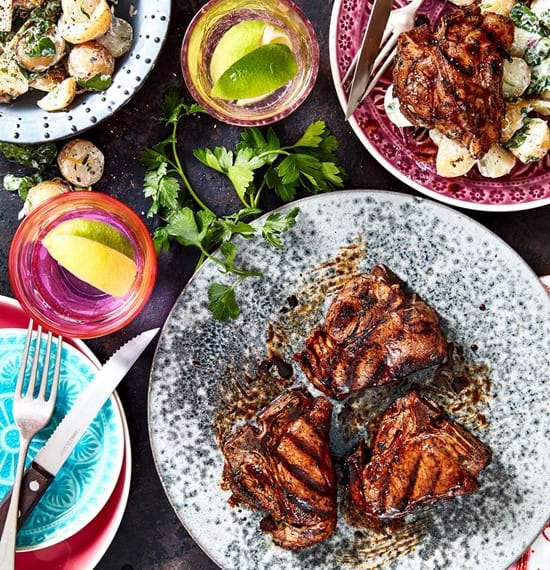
[{"x": 67, "y": 65}]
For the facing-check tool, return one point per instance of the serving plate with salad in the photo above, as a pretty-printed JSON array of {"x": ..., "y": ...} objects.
[{"x": 513, "y": 175}]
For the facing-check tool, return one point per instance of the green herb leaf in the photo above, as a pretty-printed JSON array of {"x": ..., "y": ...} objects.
[
  {"x": 286, "y": 192},
  {"x": 161, "y": 239},
  {"x": 21, "y": 184},
  {"x": 222, "y": 302},
  {"x": 254, "y": 141},
  {"x": 162, "y": 188},
  {"x": 277, "y": 224},
  {"x": 536, "y": 54},
  {"x": 188, "y": 227},
  {"x": 313, "y": 135},
  {"x": 30, "y": 156},
  {"x": 524, "y": 18},
  {"x": 174, "y": 107},
  {"x": 228, "y": 228},
  {"x": 42, "y": 48},
  {"x": 520, "y": 136},
  {"x": 99, "y": 82}
]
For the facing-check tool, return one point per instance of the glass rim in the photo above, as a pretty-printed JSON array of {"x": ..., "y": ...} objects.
[
  {"x": 77, "y": 330},
  {"x": 224, "y": 118}
]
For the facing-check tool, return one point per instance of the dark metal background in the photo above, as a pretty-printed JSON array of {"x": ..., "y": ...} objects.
[{"x": 151, "y": 536}]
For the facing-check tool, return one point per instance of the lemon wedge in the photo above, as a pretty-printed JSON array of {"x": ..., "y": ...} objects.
[{"x": 93, "y": 262}]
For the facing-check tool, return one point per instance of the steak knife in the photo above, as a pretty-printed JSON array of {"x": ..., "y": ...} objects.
[
  {"x": 370, "y": 47},
  {"x": 49, "y": 460}
]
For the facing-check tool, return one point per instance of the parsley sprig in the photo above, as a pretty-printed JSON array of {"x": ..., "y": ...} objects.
[
  {"x": 310, "y": 163},
  {"x": 258, "y": 162}
]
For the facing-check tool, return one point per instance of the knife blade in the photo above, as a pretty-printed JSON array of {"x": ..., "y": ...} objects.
[
  {"x": 49, "y": 460},
  {"x": 370, "y": 47}
]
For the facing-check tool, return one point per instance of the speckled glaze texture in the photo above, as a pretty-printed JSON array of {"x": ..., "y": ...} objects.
[
  {"x": 24, "y": 122},
  {"x": 487, "y": 297},
  {"x": 410, "y": 154}
]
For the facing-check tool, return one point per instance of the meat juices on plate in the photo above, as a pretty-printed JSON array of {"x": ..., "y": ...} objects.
[
  {"x": 419, "y": 457},
  {"x": 452, "y": 79},
  {"x": 283, "y": 466},
  {"x": 375, "y": 332}
]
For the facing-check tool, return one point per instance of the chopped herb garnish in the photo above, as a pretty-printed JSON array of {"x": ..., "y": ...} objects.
[
  {"x": 520, "y": 136},
  {"x": 98, "y": 82},
  {"x": 21, "y": 184},
  {"x": 30, "y": 156},
  {"x": 42, "y": 48},
  {"x": 524, "y": 18}
]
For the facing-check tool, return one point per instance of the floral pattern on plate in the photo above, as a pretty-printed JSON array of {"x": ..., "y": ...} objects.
[
  {"x": 410, "y": 154},
  {"x": 86, "y": 481}
]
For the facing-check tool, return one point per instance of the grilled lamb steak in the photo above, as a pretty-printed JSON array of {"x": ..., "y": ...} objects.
[
  {"x": 419, "y": 457},
  {"x": 452, "y": 79},
  {"x": 283, "y": 466},
  {"x": 375, "y": 331}
]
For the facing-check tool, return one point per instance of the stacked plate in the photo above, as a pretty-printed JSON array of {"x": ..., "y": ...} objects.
[{"x": 76, "y": 520}]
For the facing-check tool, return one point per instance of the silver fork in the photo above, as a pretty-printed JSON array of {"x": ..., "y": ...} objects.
[
  {"x": 31, "y": 415},
  {"x": 400, "y": 20}
]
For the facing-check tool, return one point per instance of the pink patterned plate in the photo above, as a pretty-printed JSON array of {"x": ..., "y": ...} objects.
[
  {"x": 83, "y": 550},
  {"x": 409, "y": 154}
]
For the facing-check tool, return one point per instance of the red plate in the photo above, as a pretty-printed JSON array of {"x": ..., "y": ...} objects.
[{"x": 84, "y": 549}]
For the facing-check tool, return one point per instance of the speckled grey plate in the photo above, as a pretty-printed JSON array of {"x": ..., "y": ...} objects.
[
  {"x": 24, "y": 122},
  {"x": 488, "y": 298}
]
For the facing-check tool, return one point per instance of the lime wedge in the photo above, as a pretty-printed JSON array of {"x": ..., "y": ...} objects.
[
  {"x": 260, "y": 72},
  {"x": 239, "y": 40},
  {"x": 95, "y": 231},
  {"x": 93, "y": 262}
]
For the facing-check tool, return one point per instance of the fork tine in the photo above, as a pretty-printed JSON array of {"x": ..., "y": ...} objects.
[
  {"x": 55, "y": 380},
  {"x": 24, "y": 358},
  {"x": 379, "y": 73},
  {"x": 353, "y": 64},
  {"x": 32, "y": 379},
  {"x": 45, "y": 369},
  {"x": 382, "y": 57}
]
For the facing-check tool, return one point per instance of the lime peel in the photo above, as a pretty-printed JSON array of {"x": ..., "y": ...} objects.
[
  {"x": 260, "y": 72},
  {"x": 98, "y": 231}
]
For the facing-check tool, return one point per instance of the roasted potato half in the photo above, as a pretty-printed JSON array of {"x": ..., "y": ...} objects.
[
  {"x": 43, "y": 192},
  {"x": 60, "y": 97},
  {"x": 516, "y": 77},
  {"x": 118, "y": 40},
  {"x": 496, "y": 163},
  {"x": 27, "y": 4},
  {"x": 89, "y": 60},
  {"x": 81, "y": 163},
  {"x": 12, "y": 81},
  {"x": 84, "y": 20},
  {"x": 49, "y": 80},
  {"x": 531, "y": 142},
  {"x": 39, "y": 54},
  {"x": 453, "y": 159}
]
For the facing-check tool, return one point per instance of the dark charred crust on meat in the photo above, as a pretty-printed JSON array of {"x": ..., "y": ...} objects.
[
  {"x": 451, "y": 79},
  {"x": 376, "y": 331},
  {"x": 283, "y": 465},
  {"x": 419, "y": 457}
]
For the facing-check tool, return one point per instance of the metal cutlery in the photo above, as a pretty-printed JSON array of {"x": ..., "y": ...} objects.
[
  {"x": 367, "y": 69},
  {"x": 31, "y": 414},
  {"x": 52, "y": 456}
]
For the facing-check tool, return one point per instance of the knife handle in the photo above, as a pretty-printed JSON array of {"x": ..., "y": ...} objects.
[{"x": 35, "y": 483}]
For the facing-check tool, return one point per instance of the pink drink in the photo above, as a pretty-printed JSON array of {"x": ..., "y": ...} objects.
[{"x": 59, "y": 300}]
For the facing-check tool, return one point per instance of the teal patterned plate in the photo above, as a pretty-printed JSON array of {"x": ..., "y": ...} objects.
[{"x": 86, "y": 481}]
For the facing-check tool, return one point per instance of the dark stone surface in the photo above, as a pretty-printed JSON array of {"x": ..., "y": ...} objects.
[{"x": 151, "y": 536}]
